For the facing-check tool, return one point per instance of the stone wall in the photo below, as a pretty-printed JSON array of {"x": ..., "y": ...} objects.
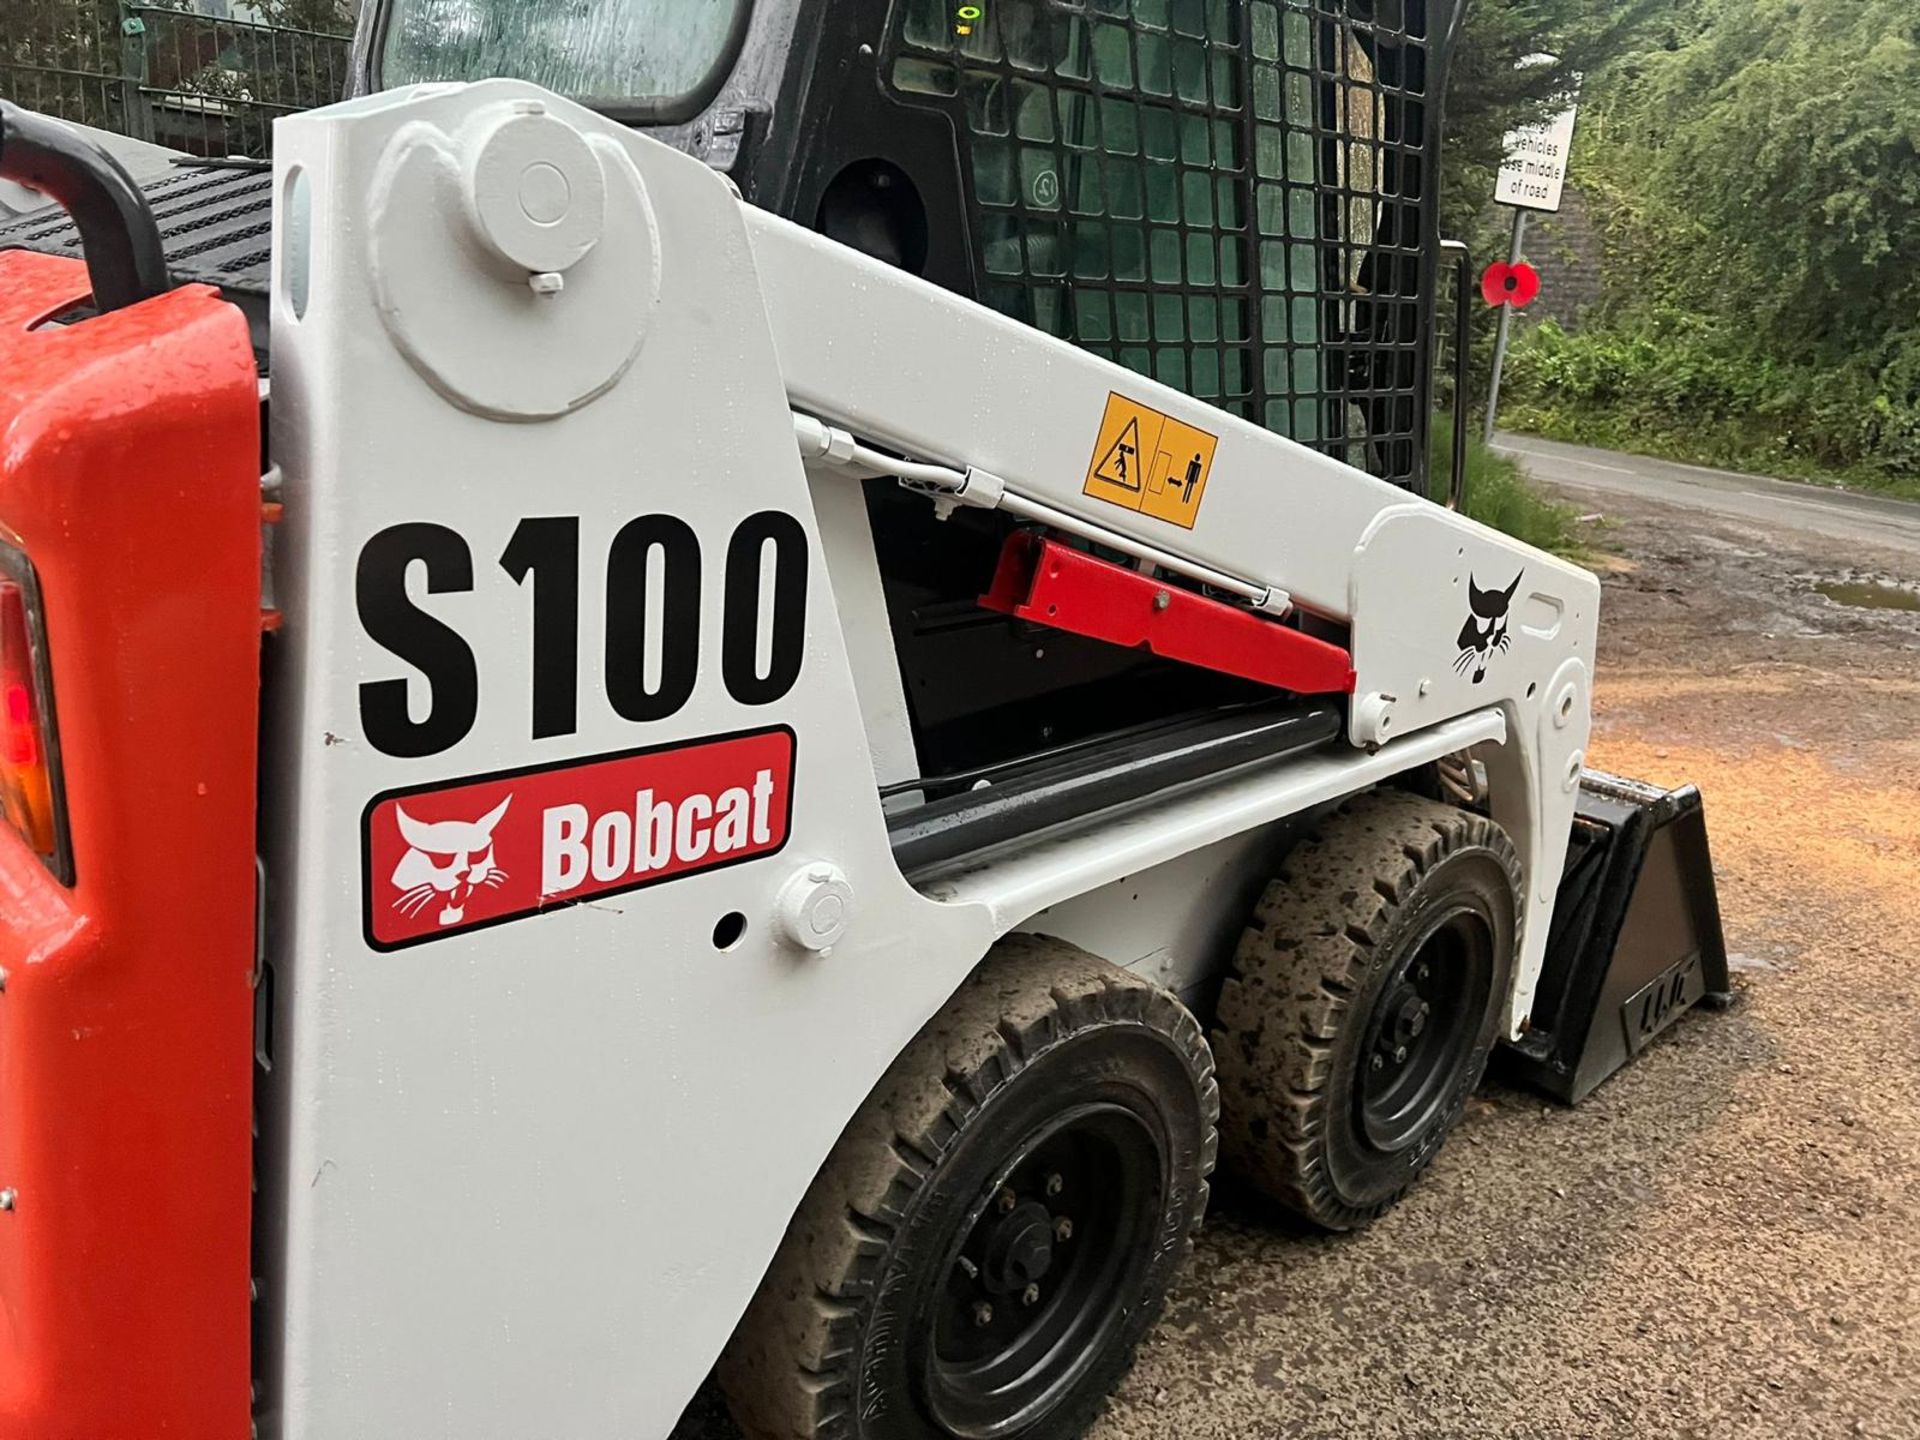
[{"x": 1568, "y": 250}]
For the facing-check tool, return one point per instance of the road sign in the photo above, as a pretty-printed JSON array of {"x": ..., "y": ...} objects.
[{"x": 1535, "y": 171}]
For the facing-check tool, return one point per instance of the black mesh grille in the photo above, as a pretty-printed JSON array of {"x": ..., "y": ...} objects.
[
  {"x": 1228, "y": 195},
  {"x": 215, "y": 224}
]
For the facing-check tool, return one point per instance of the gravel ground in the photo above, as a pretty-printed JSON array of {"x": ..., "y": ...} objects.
[{"x": 1724, "y": 1240}]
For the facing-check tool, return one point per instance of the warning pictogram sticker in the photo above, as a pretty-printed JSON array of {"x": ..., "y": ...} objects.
[
  {"x": 1121, "y": 464},
  {"x": 1147, "y": 461}
]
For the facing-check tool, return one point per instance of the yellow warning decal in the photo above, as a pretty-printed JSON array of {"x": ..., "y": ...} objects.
[{"x": 1150, "y": 462}]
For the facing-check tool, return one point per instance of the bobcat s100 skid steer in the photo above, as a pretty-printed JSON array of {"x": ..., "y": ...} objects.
[{"x": 722, "y": 685}]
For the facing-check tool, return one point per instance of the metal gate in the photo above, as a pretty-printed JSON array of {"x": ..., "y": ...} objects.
[{"x": 206, "y": 83}]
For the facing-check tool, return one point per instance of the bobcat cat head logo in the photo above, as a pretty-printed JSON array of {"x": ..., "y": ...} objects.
[
  {"x": 1485, "y": 630},
  {"x": 446, "y": 861}
]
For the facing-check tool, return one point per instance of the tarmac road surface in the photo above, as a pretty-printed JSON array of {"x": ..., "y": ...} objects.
[{"x": 1782, "y": 505}]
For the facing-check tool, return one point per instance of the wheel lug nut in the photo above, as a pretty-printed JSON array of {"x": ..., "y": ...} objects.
[
  {"x": 1030, "y": 1295},
  {"x": 1423, "y": 972},
  {"x": 1006, "y": 1200},
  {"x": 1379, "y": 1060},
  {"x": 982, "y": 1314},
  {"x": 1400, "y": 1055},
  {"x": 1055, "y": 1184},
  {"x": 1063, "y": 1229}
]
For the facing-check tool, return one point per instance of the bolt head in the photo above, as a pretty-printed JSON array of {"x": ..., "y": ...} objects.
[
  {"x": 982, "y": 1314},
  {"x": 8, "y": 1197},
  {"x": 1400, "y": 1055},
  {"x": 1055, "y": 1184},
  {"x": 1030, "y": 1295},
  {"x": 1063, "y": 1229},
  {"x": 1379, "y": 1060},
  {"x": 1006, "y": 1200}
]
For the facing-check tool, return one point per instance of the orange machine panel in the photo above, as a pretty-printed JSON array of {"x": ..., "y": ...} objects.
[{"x": 129, "y": 474}]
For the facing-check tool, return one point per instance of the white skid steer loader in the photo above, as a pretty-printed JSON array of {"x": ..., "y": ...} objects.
[{"x": 739, "y": 727}]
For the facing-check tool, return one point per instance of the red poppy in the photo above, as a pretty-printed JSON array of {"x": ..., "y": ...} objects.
[{"x": 1516, "y": 285}]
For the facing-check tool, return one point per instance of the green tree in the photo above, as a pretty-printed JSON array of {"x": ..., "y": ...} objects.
[
  {"x": 62, "y": 57},
  {"x": 1491, "y": 91},
  {"x": 1779, "y": 152},
  {"x": 1757, "y": 163}
]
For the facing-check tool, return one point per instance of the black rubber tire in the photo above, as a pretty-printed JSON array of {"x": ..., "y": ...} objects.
[
  {"x": 827, "y": 1349},
  {"x": 1334, "y": 936}
]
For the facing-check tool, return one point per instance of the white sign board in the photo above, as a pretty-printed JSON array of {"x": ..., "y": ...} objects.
[{"x": 1535, "y": 171}]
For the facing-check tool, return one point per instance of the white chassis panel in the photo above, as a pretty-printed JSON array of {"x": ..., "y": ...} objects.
[{"x": 522, "y": 1181}]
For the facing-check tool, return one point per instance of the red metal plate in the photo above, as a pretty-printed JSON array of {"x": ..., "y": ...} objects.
[
  {"x": 130, "y": 474},
  {"x": 1048, "y": 583}
]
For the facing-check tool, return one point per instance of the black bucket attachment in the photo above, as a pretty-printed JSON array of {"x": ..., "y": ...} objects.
[{"x": 1636, "y": 936}]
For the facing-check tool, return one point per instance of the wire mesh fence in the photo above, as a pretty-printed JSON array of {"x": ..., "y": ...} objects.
[
  {"x": 62, "y": 57},
  {"x": 205, "y": 83}
]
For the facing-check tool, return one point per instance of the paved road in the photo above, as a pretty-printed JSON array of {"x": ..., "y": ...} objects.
[{"x": 1782, "y": 504}]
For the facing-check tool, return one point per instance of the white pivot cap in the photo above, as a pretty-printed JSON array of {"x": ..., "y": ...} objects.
[
  {"x": 1373, "y": 719},
  {"x": 815, "y": 907},
  {"x": 536, "y": 189}
]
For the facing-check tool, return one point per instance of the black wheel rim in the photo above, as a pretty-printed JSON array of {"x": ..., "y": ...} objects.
[
  {"x": 1040, "y": 1271},
  {"x": 1423, "y": 1029}
]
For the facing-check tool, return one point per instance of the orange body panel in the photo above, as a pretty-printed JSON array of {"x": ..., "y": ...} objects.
[{"x": 129, "y": 474}]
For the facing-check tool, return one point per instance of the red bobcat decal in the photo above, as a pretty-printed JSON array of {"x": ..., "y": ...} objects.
[{"x": 442, "y": 859}]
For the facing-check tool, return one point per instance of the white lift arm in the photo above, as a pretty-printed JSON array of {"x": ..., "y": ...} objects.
[{"x": 933, "y": 377}]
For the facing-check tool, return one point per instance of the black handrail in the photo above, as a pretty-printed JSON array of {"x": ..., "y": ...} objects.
[
  {"x": 118, "y": 234},
  {"x": 1462, "y": 329}
]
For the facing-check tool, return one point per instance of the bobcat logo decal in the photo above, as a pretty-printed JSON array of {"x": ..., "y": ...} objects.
[
  {"x": 446, "y": 861},
  {"x": 1485, "y": 630}
]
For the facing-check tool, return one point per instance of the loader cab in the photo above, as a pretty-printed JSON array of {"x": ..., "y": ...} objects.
[{"x": 1236, "y": 198}]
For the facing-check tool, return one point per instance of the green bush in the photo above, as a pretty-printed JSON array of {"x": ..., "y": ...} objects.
[{"x": 1675, "y": 384}]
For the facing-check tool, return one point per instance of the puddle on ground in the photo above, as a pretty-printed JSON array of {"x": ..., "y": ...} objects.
[{"x": 1866, "y": 595}]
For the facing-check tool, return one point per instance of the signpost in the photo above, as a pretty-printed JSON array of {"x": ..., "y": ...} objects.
[
  {"x": 1535, "y": 171},
  {"x": 1533, "y": 178}
]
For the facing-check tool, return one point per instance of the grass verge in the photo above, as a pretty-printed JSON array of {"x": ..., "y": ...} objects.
[{"x": 1500, "y": 494}]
